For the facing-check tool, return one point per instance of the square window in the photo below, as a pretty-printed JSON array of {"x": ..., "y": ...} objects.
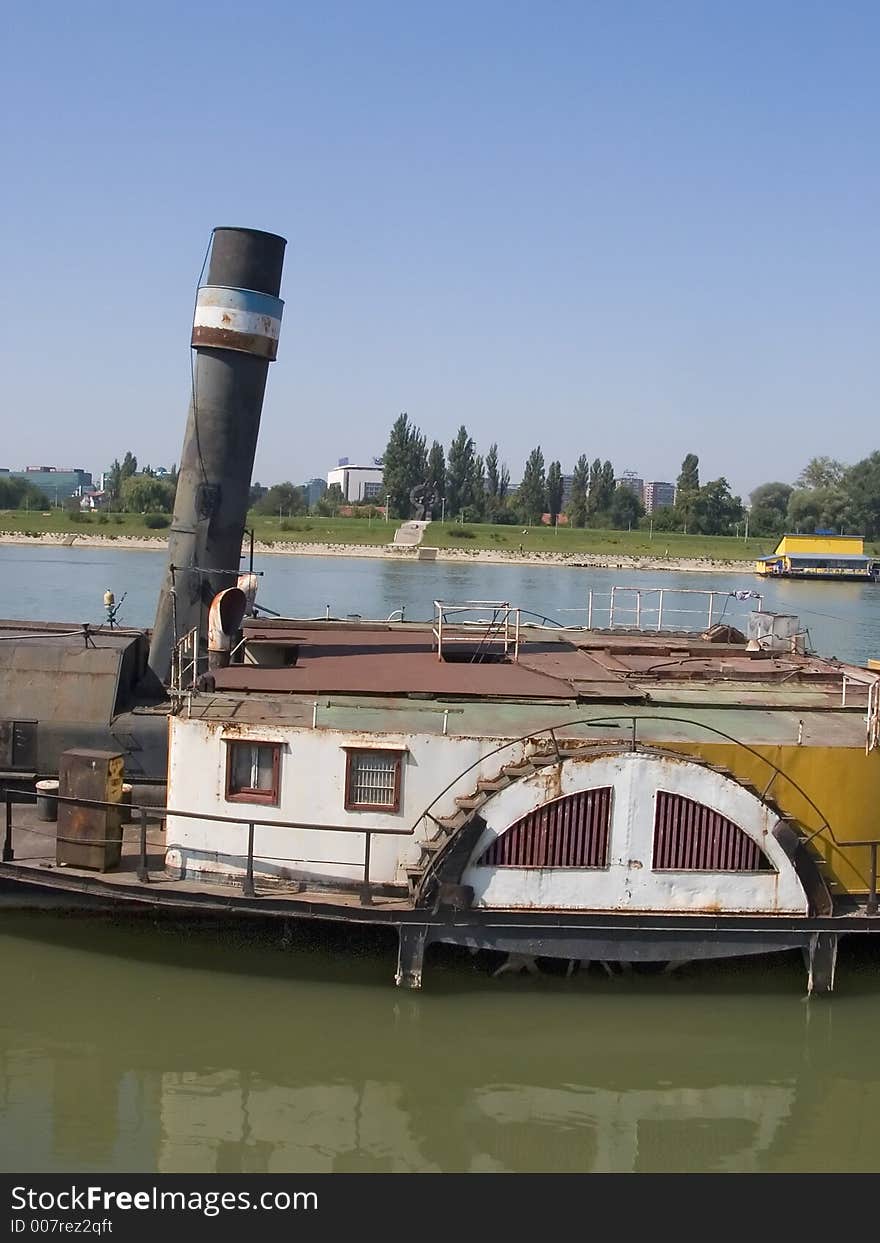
[
  {"x": 372, "y": 780},
  {"x": 252, "y": 771}
]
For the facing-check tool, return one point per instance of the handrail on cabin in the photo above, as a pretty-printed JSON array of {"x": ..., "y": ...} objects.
[
  {"x": 633, "y": 721},
  {"x": 144, "y": 811}
]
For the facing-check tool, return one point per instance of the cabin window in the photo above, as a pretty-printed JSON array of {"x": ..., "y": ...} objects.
[
  {"x": 372, "y": 780},
  {"x": 252, "y": 772},
  {"x": 690, "y": 837}
]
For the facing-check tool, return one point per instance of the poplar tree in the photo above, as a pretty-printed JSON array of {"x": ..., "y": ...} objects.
[
  {"x": 689, "y": 476},
  {"x": 405, "y": 464},
  {"x": 459, "y": 473},
  {"x": 554, "y": 489},
  {"x": 493, "y": 480},
  {"x": 532, "y": 494},
  {"x": 607, "y": 487},
  {"x": 594, "y": 492},
  {"x": 437, "y": 474},
  {"x": 577, "y": 501},
  {"x": 477, "y": 501},
  {"x": 687, "y": 489}
]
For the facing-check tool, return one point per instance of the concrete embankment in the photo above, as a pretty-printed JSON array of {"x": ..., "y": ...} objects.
[{"x": 574, "y": 560}]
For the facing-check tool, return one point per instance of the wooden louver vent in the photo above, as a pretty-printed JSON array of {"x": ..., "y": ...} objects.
[
  {"x": 690, "y": 837},
  {"x": 570, "y": 832}
]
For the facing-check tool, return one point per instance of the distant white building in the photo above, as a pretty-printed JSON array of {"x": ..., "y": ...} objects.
[
  {"x": 357, "y": 483},
  {"x": 94, "y": 498}
]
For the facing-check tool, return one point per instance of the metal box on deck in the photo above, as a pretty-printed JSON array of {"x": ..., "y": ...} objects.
[
  {"x": 90, "y": 837},
  {"x": 775, "y": 632}
]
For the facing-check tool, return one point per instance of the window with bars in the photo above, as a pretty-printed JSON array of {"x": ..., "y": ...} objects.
[
  {"x": 372, "y": 780},
  {"x": 691, "y": 837},
  {"x": 252, "y": 772}
]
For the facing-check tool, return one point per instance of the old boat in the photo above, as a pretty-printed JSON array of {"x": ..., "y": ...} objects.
[
  {"x": 623, "y": 792},
  {"x": 604, "y": 794}
]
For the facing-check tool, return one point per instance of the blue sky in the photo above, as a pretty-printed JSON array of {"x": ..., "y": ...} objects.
[{"x": 631, "y": 230}]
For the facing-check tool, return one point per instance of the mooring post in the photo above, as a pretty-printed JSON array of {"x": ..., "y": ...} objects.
[
  {"x": 247, "y": 885},
  {"x": 410, "y": 955},
  {"x": 142, "y": 873},
  {"x": 821, "y": 961},
  {"x": 8, "y": 852},
  {"x": 366, "y": 896}
]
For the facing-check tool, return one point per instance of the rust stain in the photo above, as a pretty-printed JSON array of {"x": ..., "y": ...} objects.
[{"x": 242, "y": 342}]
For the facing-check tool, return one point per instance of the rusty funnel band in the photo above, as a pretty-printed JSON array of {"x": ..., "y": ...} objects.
[{"x": 237, "y": 319}]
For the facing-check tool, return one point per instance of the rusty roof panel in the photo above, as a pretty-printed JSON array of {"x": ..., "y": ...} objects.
[
  {"x": 391, "y": 659},
  {"x": 404, "y": 673},
  {"x": 55, "y": 682},
  {"x": 513, "y": 719}
]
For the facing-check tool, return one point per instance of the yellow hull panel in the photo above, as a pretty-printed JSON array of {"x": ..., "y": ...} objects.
[{"x": 842, "y": 782}]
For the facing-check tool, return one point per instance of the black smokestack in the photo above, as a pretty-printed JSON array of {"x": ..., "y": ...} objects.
[{"x": 235, "y": 336}]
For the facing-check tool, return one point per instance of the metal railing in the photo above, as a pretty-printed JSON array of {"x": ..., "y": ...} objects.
[
  {"x": 498, "y": 625},
  {"x": 658, "y": 608},
  {"x": 185, "y": 662},
  {"x": 872, "y": 717},
  {"x": 13, "y": 795}
]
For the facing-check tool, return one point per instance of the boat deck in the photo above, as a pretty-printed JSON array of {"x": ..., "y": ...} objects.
[
  {"x": 34, "y": 868},
  {"x": 302, "y": 660},
  {"x": 34, "y": 845}
]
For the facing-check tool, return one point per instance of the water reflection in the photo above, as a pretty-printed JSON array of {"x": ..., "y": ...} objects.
[{"x": 141, "y": 1047}]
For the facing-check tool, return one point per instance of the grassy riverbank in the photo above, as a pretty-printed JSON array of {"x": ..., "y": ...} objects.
[
  {"x": 482, "y": 541},
  {"x": 474, "y": 538}
]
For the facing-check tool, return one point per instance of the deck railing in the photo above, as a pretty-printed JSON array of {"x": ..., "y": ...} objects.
[
  {"x": 686, "y": 609},
  {"x": 144, "y": 812},
  {"x": 496, "y": 624},
  {"x": 185, "y": 663},
  {"x": 633, "y": 721}
]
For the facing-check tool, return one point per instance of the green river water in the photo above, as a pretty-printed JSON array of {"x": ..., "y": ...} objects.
[{"x": 136, "y": 1044}]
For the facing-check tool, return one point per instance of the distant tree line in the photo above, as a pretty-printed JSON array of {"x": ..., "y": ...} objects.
[
  {"x": 474, "y": 487},
  {"x": 477, "y": 488},
  {"x": 286, "y": 500},
  {"x": 126, "y": 489},
  {"x": 826, "y": 495},
  {"x": 21, "y": 494},
  {"x": 139, "y": 491},
  {"x": 707, "y": 509}
]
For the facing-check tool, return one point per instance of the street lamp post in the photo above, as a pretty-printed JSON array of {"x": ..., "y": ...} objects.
[
  {"x": 387, "y": 504},
  {"x": 442, "y": 509}
]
